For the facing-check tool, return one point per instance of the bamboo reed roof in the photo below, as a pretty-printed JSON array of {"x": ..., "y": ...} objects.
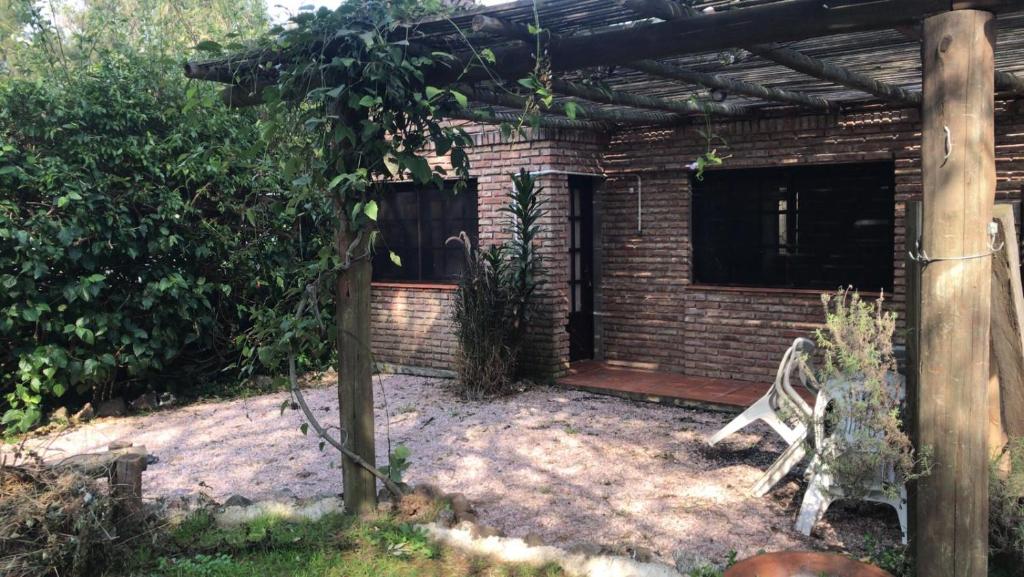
[{"x": 890, "y": 56}]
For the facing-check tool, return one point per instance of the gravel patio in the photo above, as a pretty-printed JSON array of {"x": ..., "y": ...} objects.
[{"x": 570, "y": 467}]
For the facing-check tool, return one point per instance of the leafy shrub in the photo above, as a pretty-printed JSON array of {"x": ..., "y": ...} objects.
[
  {"x": 492, "y": 307},
  {"x": 130, "y": 254}
]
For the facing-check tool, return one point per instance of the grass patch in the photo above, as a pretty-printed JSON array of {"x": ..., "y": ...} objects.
[{"x": 335, "y": 546}]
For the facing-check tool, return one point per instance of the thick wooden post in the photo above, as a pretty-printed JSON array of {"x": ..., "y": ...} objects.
[
  {"x": 355, "y": 377},
  {"x": 958, "y": 171}
]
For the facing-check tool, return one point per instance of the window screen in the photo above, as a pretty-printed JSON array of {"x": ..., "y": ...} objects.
[
  {"x": 415, "y": 222},
  {"x": 816, "y": 227}
]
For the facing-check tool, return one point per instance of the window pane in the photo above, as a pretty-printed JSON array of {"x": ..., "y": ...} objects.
[
  {"x": 802, "y": 227},
  {"x": 416, "y": 222}
]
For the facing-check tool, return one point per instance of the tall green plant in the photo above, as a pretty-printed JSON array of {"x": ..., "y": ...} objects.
[
  {"x": 496, "y": 289},
  {"x": 137, "y": 232}
]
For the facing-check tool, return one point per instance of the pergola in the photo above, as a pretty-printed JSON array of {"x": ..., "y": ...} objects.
[{"x": 662, "y": 62}]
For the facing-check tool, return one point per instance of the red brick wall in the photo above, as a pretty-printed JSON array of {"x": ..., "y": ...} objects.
[
  {"x": 650, "y": 313},
  {"x": 653, "y": 315},
  {"x": 411, "y": 324}
]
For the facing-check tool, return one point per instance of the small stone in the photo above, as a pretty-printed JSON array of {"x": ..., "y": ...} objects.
[
  {"x": 59, "y": 416},
  {"x": 385, "y": 507},
  {"x": 237, "y": 501},
  {"x": 86, "y": 414},
  {"x": 167, "y": 400},
  {"x": 111, "y": 408},
  {"x": 428, "y": 490},
  {"x": 587, "y": 549},
  {"x": 640, "y": 554},
  {"x": 483, "y": 531},
  {"x": 461, "y": 507},
  {"x": 688, "y": 562},
  {"x": 446, "y": 518},
  {"x": 146, "y": 402},
  {"x": 533, "y": 540},
  {"x": 118, "y": 445}
]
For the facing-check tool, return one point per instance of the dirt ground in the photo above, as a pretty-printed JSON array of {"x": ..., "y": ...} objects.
[{"x": 570, "y": 467}]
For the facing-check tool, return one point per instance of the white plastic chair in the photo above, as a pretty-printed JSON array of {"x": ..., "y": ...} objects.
[
  {"x": 780, "y": 396},
  {"x": 822, "y": 488}
]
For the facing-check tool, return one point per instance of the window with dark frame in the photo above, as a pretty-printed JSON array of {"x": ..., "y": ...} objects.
[
  {"x": 415, "y": 222},
  {"x": 813, "y": 227}
]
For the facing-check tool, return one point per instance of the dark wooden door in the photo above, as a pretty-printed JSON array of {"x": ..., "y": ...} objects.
[{"x": 581, "y": 268}]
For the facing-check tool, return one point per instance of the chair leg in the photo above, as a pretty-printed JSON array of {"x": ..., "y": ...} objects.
[
  {"x": 758, "y": 410},
  {"x": 783, "y": 465},
  {"x": 789, "y": 434},
  {"x": 815, "y": 504}
]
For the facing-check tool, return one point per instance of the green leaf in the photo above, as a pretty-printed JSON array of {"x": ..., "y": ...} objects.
[
  {"x": 367, "y": 101},
  {"x": 370, "y": 210},
  {"x": 208, "y": 46},
  {"x": 395, "y": 259},
  {"x": 391, "y": 164},
  {"x": 304, "y": 427},
  {"x": 432, "y": 92},
  {"x": 335, "y": 181},
  {"x": 487, "y": 55},
  {"x": 460, "y": 98},
  {"x": 570, "y": 110}
]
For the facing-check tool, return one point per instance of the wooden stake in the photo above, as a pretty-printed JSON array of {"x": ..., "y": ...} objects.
[
  {"x": 355, "y": 374},
  {"x": 958, "y": 172}
]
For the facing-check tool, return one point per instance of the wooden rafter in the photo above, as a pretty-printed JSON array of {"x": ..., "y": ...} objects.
[
  {"x": 617, "y": 97},
  {"x": 544, "y": 120},
  {"x": 793, "y": 59},
  {"x": 497, "y": 26},
  {"x": 510, "y": 100}
]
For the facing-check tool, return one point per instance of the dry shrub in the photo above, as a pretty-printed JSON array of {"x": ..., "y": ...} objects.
[
  {"x": 1006, "y": 519},
  {"x": 53, "y": 522}
]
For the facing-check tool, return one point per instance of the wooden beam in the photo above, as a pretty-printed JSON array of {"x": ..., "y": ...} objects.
[
  {"x": 544, "y": 120},
  {"x": 782, "y": 22},
  {"x": 609, "y": 96},
  {"x": 509, "y": 100},
  {"x": 788, "y": 57},
  {"x": 655, "y": 68},
  {"x": 958, "y": 174},
  {"x": 511, "y": 30}
]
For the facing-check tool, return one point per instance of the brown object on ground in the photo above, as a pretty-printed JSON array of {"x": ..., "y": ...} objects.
[
  {"x": 53, "y": 521},
  {"x": 1006, "y": 395},
  {"x": 802, "y": 564},
  {"x": 111, "y": 408},
  {"x": 86, "y": 414},
  {"x": 126, "y": 491},
  {"x": 145, "y": 402}
]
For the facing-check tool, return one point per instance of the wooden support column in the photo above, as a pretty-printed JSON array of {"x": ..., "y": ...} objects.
[
  {"x": 355, "y": 375},
  {"x": 958, "y": 171}
]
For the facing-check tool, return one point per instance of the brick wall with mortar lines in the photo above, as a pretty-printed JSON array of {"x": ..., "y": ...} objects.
[
  {"x": 412, "y": 324},
  {"x": 654, "y": 317}
]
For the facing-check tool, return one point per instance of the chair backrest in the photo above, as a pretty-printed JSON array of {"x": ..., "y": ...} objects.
[
  {"x": 792, "y": 364},
  {"x": 837, "y": 390}
]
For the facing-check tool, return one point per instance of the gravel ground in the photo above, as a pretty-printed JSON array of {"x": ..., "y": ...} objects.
[{"x": 570, "y": 467}]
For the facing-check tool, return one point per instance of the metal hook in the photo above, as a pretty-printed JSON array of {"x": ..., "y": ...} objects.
[{"x": 948, "y": 144}]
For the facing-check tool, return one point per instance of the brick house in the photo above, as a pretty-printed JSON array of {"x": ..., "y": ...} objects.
[{"x": 655, "y": 304}]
